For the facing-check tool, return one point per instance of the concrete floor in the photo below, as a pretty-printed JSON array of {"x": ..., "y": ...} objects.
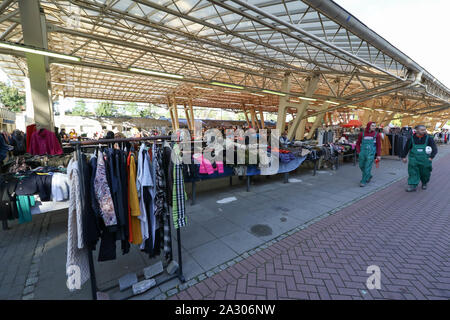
[{"x": 215, "y": 233}]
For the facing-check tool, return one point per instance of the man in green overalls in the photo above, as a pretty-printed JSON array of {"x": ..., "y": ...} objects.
[
  {"x": 422, "y": 150},
  {"x": 367, "y": 146}
]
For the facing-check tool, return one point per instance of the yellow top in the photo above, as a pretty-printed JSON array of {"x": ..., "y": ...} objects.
[{"x": 135, "y": 211}]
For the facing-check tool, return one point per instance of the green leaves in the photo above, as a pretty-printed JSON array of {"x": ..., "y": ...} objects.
[{"x": 11, "y": 98}]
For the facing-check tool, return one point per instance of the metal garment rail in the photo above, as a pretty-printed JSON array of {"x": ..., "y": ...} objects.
[{"x": 78, "y": 144}]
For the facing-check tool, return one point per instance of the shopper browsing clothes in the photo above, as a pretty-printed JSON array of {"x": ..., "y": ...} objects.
[
  {"x": 422, "y": 150},
  {"x": 368, "y": 145}
]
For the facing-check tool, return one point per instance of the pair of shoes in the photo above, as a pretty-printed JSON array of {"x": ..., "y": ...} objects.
[
  {"x": 362, "y": 184},
  {"x": 411, "y": 189},
  {"x": 424, "y": 187}
]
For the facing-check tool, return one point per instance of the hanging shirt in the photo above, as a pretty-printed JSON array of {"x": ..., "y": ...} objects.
[
  {"x": 133, "y": 202},
  {"x": 178, "y": 193},
  {"x": 60, "y": 187},
  {"x": 103, "y": 193},
  {"x": 143, "y": 182}
]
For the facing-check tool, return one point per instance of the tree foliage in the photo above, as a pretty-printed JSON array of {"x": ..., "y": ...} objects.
[
  {"x": 106, "y": 109},
  {"x": 80, "y": 109},
  {"x": 11, "y": 98},
  {"x": 131, "y": 109}
]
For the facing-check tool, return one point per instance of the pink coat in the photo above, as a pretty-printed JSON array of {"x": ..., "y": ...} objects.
[{"x": 44, "y": 142}]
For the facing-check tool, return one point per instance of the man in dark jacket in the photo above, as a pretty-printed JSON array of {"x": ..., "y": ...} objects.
[{"x": 422, "y": 150}]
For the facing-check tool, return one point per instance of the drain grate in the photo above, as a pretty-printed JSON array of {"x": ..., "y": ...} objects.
[{"x": 261, "y": 230}]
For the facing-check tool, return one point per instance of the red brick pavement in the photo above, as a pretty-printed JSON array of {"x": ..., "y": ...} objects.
[{"x": 406, "y": 234}]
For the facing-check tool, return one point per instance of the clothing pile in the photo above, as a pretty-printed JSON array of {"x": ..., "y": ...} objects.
[
  {"x": 17, "y": 192},
  {"x": 28, "y": 162}
]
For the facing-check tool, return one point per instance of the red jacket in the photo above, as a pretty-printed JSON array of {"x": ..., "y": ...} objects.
[
  {"x": 44, "y": 142},
  {"x": 367, "y": 133},
  {"x": 30, "y": 130},
  {"x": 371, "y": 134}
]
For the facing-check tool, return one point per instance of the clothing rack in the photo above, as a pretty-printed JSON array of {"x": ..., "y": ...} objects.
[{"x": 78, "y": 145}]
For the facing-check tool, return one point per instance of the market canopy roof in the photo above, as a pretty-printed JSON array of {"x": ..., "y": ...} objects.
[{"x": 250, "y": 45}]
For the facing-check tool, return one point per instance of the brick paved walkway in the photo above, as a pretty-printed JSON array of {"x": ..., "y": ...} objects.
[{"x": 405, "y": 234}]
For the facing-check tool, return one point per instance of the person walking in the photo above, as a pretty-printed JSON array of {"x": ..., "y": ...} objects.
[
  {"x": 422, "y": 149},
  {"x": 367, "y": 146}
]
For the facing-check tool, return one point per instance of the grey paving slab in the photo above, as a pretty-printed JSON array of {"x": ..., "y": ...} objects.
[
  {"x": 212, "y": 254},
  {"x": 243, "y": 219},
  {"x": 220, "y": 226},
  {"x": 194, "y": 236},
  {"x": 241, "y": 241}
]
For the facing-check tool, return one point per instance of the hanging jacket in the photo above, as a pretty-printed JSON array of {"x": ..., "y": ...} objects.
[
  {"x": 30, "y": 130},
  {"x": 44, "y": 142},
  {"x": 19, "y": 143},
  {"x": 3, "y": 148}
]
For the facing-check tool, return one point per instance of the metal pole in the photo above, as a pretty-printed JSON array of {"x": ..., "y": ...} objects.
[
  {"x": 193, "y": 192},
  {"x": 180, "y": 261}
]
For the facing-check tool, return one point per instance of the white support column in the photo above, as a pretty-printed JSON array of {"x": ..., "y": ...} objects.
[
  {"x": 246, "y": 115},
  {"x": 191, "y": 109},
  {"x": 35, "y": 34},
  {"x": 301, "y": 109},
  {"x": 255, "y": 123},
  {"x": 188, "y": 118},
  {"x": 318, "y": 121},
  {"x": 261, "y": 118},
  {"x": 175, "y": 113},
  {"x": 282, "y": 108},
  {"x": 300, "y": 133}
]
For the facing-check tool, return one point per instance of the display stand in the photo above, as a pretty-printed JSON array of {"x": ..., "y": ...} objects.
[
  {"x": 78, "y": 145},
  {"x": 353, "y": 155}
]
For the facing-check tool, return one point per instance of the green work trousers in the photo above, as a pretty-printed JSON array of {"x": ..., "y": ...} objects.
[
  {"x": 419, "y": 170},
  {"x": 366, "y": 158}
]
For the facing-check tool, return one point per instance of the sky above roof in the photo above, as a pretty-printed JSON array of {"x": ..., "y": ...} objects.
[{"x": 419, "y": 28}]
